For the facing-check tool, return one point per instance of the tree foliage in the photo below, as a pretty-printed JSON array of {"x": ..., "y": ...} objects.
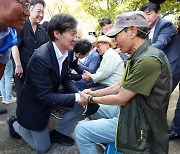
[
  {"x": 54, "y": 7},
  {"x": 110, "y": 8}
]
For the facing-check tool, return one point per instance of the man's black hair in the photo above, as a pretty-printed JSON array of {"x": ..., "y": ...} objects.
[
  {"x": 61, "y": 23},
  {"x": 34, "y": 2},
  {"x": 157, "y": 1},
  {"x": 82, "y": 46},
  {"x": 105, "y": 21},
  {"x": 150, "y": 7}
]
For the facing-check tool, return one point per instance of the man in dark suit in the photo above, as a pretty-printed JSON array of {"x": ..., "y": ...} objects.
[
  {"x": 105, "y": 24},
  {"x": 46, "y": 71},
  {"x": 80, "y": 51},
  {"x": 83, "y": 49},
  {"x": 164, "y": 36}
]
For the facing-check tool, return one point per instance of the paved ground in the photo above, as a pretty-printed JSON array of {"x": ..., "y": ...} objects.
[{"x": 11, "y": 146}]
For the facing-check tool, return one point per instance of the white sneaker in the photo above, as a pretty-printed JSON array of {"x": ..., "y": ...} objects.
[
  {"x": 12, "y": 100},
  {"x": 3, "y": 100}
]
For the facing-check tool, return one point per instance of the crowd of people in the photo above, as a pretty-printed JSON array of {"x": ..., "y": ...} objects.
[{"x": 121, "y": 79}]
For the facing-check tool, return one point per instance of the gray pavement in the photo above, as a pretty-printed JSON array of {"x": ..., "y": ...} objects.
[{"x": 12, "y": 146}]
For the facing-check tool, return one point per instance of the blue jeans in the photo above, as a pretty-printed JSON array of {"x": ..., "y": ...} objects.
[
  {"x": 100, "y": 129},
  {"x": 6, "y": 81}
]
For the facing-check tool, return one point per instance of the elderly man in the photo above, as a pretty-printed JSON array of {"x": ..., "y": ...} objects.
[
  {"x": 8, "y": 18},
  {"x": 143, "y": 96},
  {"x": 111, "y": 67}
]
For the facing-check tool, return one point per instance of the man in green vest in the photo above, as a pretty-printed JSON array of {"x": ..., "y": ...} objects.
[{"x": 142, "y": 96}]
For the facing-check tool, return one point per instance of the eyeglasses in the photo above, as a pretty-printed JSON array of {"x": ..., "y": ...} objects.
[
  {"x": 39, "y": 12},
  {"x": 25, "y": 6},
  {"x": 98, "y": 46}
]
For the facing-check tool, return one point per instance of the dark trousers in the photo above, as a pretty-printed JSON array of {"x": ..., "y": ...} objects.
[
  {"x": 176, "y": 121},
  {"x": 18, "y": 85}
]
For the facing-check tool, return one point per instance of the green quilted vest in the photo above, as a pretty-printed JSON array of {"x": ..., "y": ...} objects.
[{"x": 142, "y": 125}]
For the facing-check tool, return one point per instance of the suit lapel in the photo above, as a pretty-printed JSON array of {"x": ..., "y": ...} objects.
[
  {"x": 156, "y": 30},
  {"x": 54, "y": 59},
  {"x": 64, "y": 67}
]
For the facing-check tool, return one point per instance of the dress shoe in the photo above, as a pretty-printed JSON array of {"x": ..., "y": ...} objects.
[
  {"x": 173, "y": 136},
  {"x": 62, "y": 139},
  {"x": 12, "y": 132},
  {"x": 3, "y": 111}
]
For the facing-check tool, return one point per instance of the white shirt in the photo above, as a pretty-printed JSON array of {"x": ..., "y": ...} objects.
[
  {"x": 60, "y": 58},
  {"x": 151, "y": 33}
]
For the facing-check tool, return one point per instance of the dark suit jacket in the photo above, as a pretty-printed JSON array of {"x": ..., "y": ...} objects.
[
  {"x": 72, "y": 63},
  {"x": 40, "y": 91},
  {"x": 91, "y": 64},
  {"x": 166, "y": 38}
]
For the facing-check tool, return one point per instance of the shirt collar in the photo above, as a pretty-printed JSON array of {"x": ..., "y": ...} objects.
[
  {"x": 74, "y": 56},
  {"x": 58, "y": 52},
  {"x": 4, "y": 32},
  {"x": 141, "y": 49},
  {"x": 151, "y": 32}
]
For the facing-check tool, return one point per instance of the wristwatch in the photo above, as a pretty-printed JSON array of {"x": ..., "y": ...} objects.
[{"x": 90, "y": 99}]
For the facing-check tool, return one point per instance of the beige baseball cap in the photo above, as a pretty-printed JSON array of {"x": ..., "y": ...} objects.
[{"x": 135, "y": 18}]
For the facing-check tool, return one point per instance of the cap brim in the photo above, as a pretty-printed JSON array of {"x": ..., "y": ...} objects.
[{"x": 113, "y": 32}]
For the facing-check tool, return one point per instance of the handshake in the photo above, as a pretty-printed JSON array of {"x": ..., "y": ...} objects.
[{"x": 86, "y": 100}]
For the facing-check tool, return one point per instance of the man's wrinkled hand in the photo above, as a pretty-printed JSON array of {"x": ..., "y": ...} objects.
[
  {"x": 87, "y": 91},
  {"x": 83, "y": 99}
]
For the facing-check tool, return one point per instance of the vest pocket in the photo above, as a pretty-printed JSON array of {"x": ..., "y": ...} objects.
[{"x": 133, "y": 131}]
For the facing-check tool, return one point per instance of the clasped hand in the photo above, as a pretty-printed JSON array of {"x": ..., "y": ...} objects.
[
  {"x": 83, "y": 99},
  {"x": 86, "y": 76}
]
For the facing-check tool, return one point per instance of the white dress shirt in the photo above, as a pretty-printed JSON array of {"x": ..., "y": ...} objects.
[{"x": 60, "y": 58}]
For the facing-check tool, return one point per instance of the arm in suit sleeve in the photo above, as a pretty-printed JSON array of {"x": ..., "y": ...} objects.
[
  {"x": 165, "y": 32},
  {"x": 76, "y": 77},
  {"x": 42, "y": 78},
  {"x": 93, "y": 64}
]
